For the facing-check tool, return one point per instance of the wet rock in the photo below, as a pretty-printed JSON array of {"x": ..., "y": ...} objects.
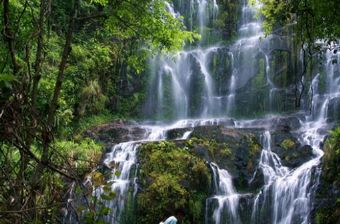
[
  {"x": 333, "y": 110},
  {"x": 295, "y": 157},
  {"x": 257, "y": 182},
  {"x": 116, "y": 132},
  {"x": 236, "y": 150},
  {"x": 286, "y": 123},
  {"x": 289, "y": 149},
  {"x": 202, "y": 152},
  {"x": 246, "y": 207},
  {"x": 176, "y": 133},
  {"x": 326, "y": 203}
]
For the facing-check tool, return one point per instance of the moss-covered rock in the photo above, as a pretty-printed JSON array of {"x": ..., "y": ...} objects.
[
  {"x": 173, "y": 181},
  {"x": 236, "y": 150},
  {"x": 289, "y": 149},
  {"x": 176, "y": 180}
]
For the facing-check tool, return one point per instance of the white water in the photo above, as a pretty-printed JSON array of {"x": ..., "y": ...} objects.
[
  {"x": 184, "y": 85},
  {"x": 286, "y": 192},
  {"x": 286, "y": 195},
  {"x": 226, "y": 196},
  {"x": 121, "y": 160},
  {"x": 177, "y": 71}
]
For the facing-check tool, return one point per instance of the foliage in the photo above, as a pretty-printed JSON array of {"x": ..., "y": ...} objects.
[
  {"x": 101, "y": 192},
  {"x": 330, "y": 179},
  {"x": 75, "y": 157},
  {"x": 87, "y": 122},
  {"x": 332, "y": 150},
  {"x": 174, "y": 182},
  {"x": 315, "y": 19},
  {"x": 65, "y": 66},
  {"x": 84, "y": 155},
  {"x": 227, "y": 19}
]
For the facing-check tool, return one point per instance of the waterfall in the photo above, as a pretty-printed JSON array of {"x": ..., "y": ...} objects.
[
  {"x": 226, "y": 197},
  {"x": 285, "y": 197},
  {"x": 188, "y": 84},
  {"x": 121, "y": 159},
  {"x": 187, "y": 89},
  {"x": 122, "y": 162},
  {"x": 174, "y": 76}
]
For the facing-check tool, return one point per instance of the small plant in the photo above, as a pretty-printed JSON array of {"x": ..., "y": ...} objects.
[{"x": 287, "y": 144}]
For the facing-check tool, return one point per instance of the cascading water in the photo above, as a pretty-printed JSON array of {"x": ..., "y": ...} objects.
[
  {"x": 226, "y": 197},
  {"x": 188, "y": 84},
  {"x": 184, "y": 86},
  {"x": 174, "y": 75},
  {"x": 121, "y": 159},
  {"x": 285, "y": 197}
]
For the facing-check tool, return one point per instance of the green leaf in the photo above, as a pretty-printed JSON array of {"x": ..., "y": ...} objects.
[
  {"x": 7, "y": 77},
  {"x": 108, "y": 197}
]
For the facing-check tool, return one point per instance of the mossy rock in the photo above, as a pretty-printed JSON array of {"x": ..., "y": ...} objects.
[
  {"x": 236, "y": 150},
  {"x": 289, "y": 149},
  {"x": 173, "y": 181}
]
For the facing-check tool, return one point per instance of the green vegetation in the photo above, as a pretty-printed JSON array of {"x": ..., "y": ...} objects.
[
  {"x": 254, "y": 146},
  {"x": 215, "y": 149},
  {"x": 315, "y": 19},
  {"x": 70, "y": 159},
  {"x": 287, "y": 144},
  {"x": 174, "y": 182},
  {"x": 227, "y": 19},
  {"x": 66, "y": 66},
  {"x": 329, "y": 213}
]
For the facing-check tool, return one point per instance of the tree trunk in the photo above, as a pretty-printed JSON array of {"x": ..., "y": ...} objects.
[
  {"x": 46, "y": 135},
  {"x": 39, "y": 53}
]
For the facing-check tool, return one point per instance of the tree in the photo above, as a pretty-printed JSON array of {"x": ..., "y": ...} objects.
[
  {"x": 38, "y": 69},
  {"x": 314, "y": 19}
]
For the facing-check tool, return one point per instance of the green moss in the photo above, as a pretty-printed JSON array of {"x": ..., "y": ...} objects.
[
  {"x": 328, "y": 215},
  {"x": 287, "y": 144},
  {"x": 226, "y": 151},
  {"x": 214, "y": 148},
  {"x": 254, "y": 146},
  {"x": 90, "y": 121},
  {"x": 174, "y": 182}
]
